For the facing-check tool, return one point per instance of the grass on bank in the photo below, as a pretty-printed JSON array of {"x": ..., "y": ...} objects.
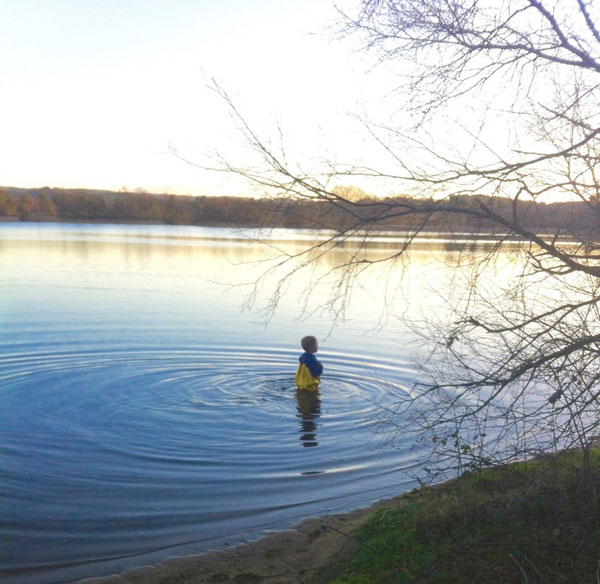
[{"x": 534, "y": 522}]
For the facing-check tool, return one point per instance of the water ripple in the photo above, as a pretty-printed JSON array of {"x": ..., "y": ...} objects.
[{"x": 114, "y": 453}]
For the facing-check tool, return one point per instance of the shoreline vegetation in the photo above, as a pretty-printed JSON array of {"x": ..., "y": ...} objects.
[
  {"x": 535, "y": 521},
  {"x": 87, "y": 205}
]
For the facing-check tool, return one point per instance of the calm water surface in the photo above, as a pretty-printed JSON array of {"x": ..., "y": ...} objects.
[{"x": 145, "y": 415}]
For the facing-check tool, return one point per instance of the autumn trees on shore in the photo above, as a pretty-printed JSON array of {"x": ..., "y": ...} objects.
[{"x": 106, "y": 206}]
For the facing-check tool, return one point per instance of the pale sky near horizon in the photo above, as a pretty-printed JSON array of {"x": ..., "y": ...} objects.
[{"x": 94, "y": 93}]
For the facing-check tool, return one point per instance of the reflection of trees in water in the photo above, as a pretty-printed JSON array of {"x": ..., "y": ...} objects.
[
  {"x": 472, "y": 246},
  {"x": 309, "y": 409}
]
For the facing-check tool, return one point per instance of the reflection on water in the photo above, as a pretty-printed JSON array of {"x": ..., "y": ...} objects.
[
  {"x": 309, "y": 410},
  {"x": 143, "y": 414}
]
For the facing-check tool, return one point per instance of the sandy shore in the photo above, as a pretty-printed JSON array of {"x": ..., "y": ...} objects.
[{"x": 297, "y": 556}]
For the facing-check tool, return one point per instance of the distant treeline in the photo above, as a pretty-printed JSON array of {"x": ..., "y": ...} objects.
[{"x": 109, "y": 206}]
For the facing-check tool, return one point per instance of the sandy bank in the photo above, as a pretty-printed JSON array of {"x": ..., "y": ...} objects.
[{"x": 286, "y": 557}]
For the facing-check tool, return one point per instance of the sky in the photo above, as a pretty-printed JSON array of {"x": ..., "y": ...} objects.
[{"x": 96, "y": 94}]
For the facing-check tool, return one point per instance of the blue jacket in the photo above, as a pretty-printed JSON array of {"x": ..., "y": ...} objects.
[{"x": 313, "y": 364}]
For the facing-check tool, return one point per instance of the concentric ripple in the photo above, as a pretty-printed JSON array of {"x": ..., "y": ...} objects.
[{"x": 109, "y": 455}]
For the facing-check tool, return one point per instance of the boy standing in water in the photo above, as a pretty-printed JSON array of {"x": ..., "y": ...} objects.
[{"x": 309, "y": 368}]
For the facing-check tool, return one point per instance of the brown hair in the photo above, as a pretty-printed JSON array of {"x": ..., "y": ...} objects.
[{"x": 309, "y": 343}]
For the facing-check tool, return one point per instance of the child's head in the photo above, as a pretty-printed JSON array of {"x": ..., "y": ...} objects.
[{"x": 310, "y": 344}]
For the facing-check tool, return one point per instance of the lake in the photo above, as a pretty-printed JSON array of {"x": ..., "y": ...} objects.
[{"x": 146, "y": 415}]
